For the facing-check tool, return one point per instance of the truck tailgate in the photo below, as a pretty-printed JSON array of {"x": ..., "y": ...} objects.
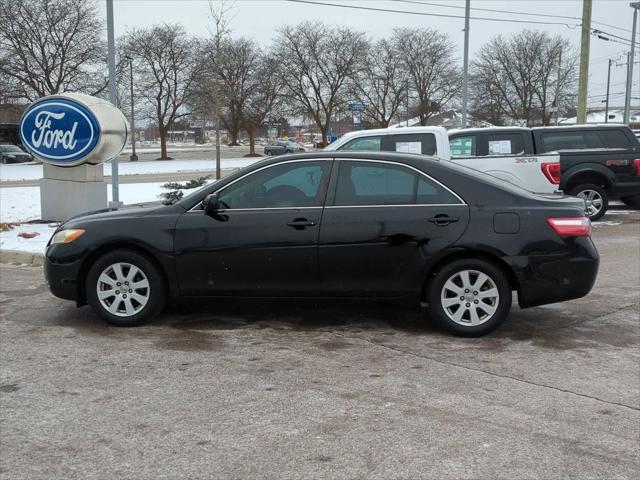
[{"x": 524, "y": 171}]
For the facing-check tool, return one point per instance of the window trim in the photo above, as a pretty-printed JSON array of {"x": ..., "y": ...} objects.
[
  {"x": 333, "y": 186},
  {"x": 301, "y": 160}
]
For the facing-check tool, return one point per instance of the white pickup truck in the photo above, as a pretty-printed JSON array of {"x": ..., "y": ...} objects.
[{"x": 536, "y": 173}]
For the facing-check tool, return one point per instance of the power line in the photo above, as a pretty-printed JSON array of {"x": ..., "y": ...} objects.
[
  {"x": 389, "y": 10},
  {"x": 510, "y": 12}
]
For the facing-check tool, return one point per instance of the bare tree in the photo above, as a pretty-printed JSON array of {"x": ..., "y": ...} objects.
[
  {"x": 523, "y": 76},
  {"x": 165, "y": 66},
  {"x": 380, "y": 83},
  {"x": 50, "y": 46},
  {"x": 433, "y": 74},
  {"x": 262, "y": 96},
  {"x": 315, "y": 63}
]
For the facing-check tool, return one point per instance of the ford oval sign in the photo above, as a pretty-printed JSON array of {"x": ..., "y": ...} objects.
[{"x": 59, "y": 131}]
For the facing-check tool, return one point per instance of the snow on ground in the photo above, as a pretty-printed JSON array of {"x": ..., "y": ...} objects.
[
  {"x": 10, "y": 240},
  {"x": 19, "y": 172},
  {"x": 21, "y": 204}
]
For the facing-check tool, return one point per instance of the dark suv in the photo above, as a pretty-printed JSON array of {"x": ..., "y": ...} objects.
[{"x": 597, "y": 162}]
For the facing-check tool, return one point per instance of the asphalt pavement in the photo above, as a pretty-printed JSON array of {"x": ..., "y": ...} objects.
[{"x": 250, "y": 389}]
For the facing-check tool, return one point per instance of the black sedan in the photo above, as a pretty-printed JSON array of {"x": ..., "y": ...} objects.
[
  {"x": 340, "y": 225},
  {"x": 281, "y": 147},
  {"x": 13, "y": 154}
]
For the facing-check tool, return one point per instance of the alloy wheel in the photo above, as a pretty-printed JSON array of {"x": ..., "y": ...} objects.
[
  {"x": 592, "y": 200},
  {"x": 123, "y": 289},
  {"x": 470, "y": 297}
]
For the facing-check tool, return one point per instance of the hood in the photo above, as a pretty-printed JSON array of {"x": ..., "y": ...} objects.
[{"x": 112, "y": 214}]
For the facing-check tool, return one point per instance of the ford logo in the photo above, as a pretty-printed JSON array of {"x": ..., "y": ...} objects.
[{"x": 59, "y": 131}]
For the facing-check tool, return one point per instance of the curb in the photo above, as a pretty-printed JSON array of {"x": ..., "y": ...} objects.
[{"x": 18, "y": 257}]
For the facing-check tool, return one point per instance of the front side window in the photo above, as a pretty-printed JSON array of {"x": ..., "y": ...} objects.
[
  {"x": 463, "y": 146},
  {"x": 364, "y": 144},
  {"x": 293, "y": 184},
  {"x": 374, "y": 183}
]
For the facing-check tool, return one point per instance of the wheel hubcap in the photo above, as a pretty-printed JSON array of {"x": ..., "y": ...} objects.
[
  {"x": 123, "y": 289},
  {"x": 470, "y": 297},
  {"x": 592, "y": 200}
]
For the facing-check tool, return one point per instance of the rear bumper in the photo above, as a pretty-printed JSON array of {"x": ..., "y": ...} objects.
[
  {"x": 62, "y": 279},
  {"x": 557, "y": 278}
]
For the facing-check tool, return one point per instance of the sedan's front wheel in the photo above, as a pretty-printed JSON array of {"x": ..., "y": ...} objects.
[
  {"x": 125, "y": 288},
  {"x": 469, "y": 297}
]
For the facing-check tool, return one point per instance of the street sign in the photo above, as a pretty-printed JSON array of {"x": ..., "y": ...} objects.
[{"x": 356, "y": 106}]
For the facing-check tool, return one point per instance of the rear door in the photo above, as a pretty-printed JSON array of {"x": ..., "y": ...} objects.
[{"x": 382, "y": 222}]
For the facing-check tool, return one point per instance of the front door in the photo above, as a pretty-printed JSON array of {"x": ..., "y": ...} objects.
[
  {"x": 381, "y": 224},
  {"x": 264, "y": 239}
]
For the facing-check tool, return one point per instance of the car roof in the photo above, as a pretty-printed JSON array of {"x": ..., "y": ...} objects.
[
  {"x": 392, "y": 131},
  {"x": 486, "y": 129},
  {"x": 582, "y": 126}
]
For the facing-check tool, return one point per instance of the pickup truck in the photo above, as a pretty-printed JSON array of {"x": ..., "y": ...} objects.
[
  {"x": 538, "y": 174},
  {"x": 597, "y": 162}
]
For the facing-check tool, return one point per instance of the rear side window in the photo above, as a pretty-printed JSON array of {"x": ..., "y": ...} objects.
[
  {"x": 614, "y": 139},
  {"x": 367, "y": 144},
  {"x": 505, "y": 144},
  {"x": 374, "y": 183},
  {"x": 463, "y": 146},
  {"x": 570, "y": 140},
  {"x": 420, "y": 143}
]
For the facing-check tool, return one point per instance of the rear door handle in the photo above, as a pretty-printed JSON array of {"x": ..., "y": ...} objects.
[
  {"x": 301, "y": 223},
  {"x": 443, "y": 220}
]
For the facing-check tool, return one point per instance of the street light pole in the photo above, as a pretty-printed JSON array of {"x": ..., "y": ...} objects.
[
  {"x": 627, "y": 97},
  {"x": 113, "y": 98},
  {"x": 465, "y": 75},
  {"x": 133, "y": 157}
]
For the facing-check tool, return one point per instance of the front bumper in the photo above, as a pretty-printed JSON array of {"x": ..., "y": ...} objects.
[
  {"x": 63, "y": 279},
  {"x": 557, "y": 278}
]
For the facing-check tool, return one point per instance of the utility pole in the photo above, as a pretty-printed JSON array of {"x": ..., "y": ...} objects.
[
  {"x": 113, "y": 98},
  {"x": 584, "y": 62},
  {"x": 465, "y": 75},
  {"x": 627, "y": 96},
  {"x": 606, "y": 105},
  {"x": 558, "y": 87},
  {"x": 407, "y": 102}
]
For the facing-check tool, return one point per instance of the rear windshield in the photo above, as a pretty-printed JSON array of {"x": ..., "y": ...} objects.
[{"x": 485, "y": 177}]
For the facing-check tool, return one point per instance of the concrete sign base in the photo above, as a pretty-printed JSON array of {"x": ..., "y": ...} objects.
[{"x": 66, "y": 192}]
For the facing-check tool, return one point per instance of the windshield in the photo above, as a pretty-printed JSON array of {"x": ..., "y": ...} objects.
[{"x": 10, "y": 148}]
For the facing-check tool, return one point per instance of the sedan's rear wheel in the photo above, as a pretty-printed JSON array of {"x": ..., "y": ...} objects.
[
  {"x": 470, "y": 297},
  {"x": 125, "y": 288}
]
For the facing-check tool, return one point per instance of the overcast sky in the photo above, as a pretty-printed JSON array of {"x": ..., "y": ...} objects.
[{"x": 260, "y": 20}]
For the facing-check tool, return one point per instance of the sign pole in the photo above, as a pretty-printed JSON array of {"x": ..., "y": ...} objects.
[{"x": 113, "y": 98}]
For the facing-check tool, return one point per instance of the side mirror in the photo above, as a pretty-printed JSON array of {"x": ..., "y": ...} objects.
[{"x": 211, "y": 204}]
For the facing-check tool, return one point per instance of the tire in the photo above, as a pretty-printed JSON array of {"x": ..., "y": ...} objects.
[
  {"x": 591, "y": 194},
  {"x": 268, "y": 152},
  {"x": 135, "y": 307},
  {"x": 632, "y": 201},
  {"x": 460, "y": 316}
]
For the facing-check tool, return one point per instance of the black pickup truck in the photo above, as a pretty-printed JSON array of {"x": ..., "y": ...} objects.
[{"x": 597, "y": 162}]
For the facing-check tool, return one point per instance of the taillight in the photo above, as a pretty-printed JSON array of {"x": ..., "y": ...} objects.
[
  {"x": 636, "y": 164},
  {"x": 551, "y": 171},
  {"x": 571, "y": 227}
]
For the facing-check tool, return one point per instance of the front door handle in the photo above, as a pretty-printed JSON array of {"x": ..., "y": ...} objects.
[
  {"x": 301, "y": 223},
  {"x": 443, "y": 220}
]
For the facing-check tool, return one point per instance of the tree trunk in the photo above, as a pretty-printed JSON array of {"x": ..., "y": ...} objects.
[
  {"x": 252, "y": 141},
  {"x": 233, "y": 133},
  {"x": 325, "y": 140},
  {"x": 163, "y": 142}
]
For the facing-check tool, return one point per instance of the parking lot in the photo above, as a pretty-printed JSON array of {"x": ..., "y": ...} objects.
[{"x": 243, "y": 389}]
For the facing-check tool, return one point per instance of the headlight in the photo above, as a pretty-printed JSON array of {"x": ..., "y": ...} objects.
[{"x": 66, "y": 236}]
